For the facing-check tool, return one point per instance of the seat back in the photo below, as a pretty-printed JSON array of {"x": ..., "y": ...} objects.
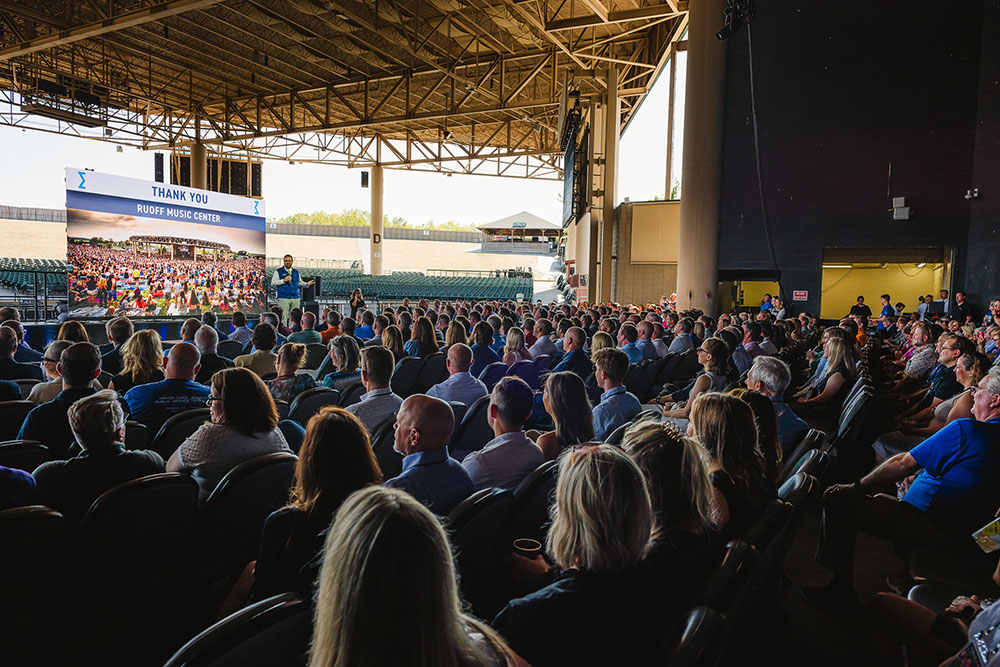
[
  {"x": 543, "y": 364},
  {"x": 615, "y": 437},
  {"x": 644, "y": 383},
  {"x": 177, "y": 429},
  {"x": 431, "y": 372},
  {"x": 36, "y": 539},
  {"x": 137, "y": 527},
  {"x": 474, "y": 526},
  {"x": 492, "y": 374},
  {"x": 814, "y": 462},
  {"x": 529, "y": 514},
  {"x": 24, "y": 385},
  {"x": 352, "y": 394},
  {"x": 310, "y": 401},
  {"x": 315, "y": 353},
  {"x": 667, "y": 371},
  {"x": 23, "y": 455},
  {"x": 525, "y": 370},
  {"x": 404, "y": 375},
  {"x": 389, "y": 460},
  {"x": 768, "y": 524},
  {"x": 810, "y": 440},
  {"x": 233, "y": 516},
  {"x": 283, "y": 408},
  {"x": 853, "y": 417},
  {"x": 699, "y": 640},
  {"x": 104, "y": 379},
  {"x": 294, "y": 434},
  {"x": 728, "y": 579},
  {"x": 12, "y": 414},
  {"x": 631, "y": 380},
  {"x": 230, "y": 349},
  {"x": 687, "y": 366},
  {"x": 136, "y": 435},
  {"x": 474, "y": 432},
  {"x": 459, "y": 409},
  {"x": 797, "y": 489},
  {"x": 274, "y": 632}
]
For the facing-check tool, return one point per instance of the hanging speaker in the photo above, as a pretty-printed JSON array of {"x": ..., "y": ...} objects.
[{"x": 364, "y": 179}]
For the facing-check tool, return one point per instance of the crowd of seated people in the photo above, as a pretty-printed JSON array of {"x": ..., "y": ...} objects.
[{"x": 690, "y": 476}]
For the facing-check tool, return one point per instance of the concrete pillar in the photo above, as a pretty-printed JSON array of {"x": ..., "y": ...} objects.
[
  {"x": 611, "y": 129},
  {"x": 376, "y": 232},
  {"x": 701, "y": 173},
  {"x": 199, "y": 167}
]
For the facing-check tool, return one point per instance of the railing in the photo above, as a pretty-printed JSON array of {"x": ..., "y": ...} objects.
[
  {"x": 519, "y": 272},
  {"x": 35, "y": 303}
]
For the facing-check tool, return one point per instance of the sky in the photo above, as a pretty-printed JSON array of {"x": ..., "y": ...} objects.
[{"x": 35, "y": 177}]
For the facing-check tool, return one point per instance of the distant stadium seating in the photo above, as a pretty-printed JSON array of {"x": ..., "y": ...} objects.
[
  {"x": 16, "y": 273},
  {"x": 413, "y": 284}
]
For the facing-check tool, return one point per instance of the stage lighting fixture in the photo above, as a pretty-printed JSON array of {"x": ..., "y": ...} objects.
[
  {"x": 735, "y": 15},
  {"x": 446, "y": 134}
]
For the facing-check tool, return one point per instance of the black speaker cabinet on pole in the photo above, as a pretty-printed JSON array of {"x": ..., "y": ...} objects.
[
  {"x": 311, "y": 307},
  {"x": 312, "y": 292}
]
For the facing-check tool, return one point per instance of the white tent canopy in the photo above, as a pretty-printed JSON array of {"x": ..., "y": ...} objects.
[{"x": 520, "y": 221}]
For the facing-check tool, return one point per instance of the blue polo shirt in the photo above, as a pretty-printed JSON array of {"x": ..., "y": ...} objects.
[
  {"x": 435, "y": 479},
  {"x": 633, "y": 352},
  {"x": 959, "y": 486},
  {"x": 887, "y": 311},
  {"x": 154, "y": 403}
]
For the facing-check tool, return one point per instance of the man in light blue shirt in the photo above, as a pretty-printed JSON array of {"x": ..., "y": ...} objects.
[
  {"x": 460, "y": 385},
  {"x": 771, "y": 377},
  {"x": 430, "y": 475},
  {"x": 682, "y": 336},
  {"x": 511, "y": 455},
  {"x": 617, "y": 405},
  {"x": 627, "y": 335},
  {"x": 644, "y": 342},
  {"x": 379, "y": 403}
]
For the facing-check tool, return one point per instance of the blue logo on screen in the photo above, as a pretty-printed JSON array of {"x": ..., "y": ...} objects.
[
  {"x": 83, "y": 179},
  {"x": 255, "y": 211}
]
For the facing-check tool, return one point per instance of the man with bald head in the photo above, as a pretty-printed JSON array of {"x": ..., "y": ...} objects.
[
  {"x": 460, "y": 386},
  {"x": 574, "y": 359},
  {"x": 152, "y": 404},
  {"x": 423, "y": 427},
  {"x": 308, "y": 334}
]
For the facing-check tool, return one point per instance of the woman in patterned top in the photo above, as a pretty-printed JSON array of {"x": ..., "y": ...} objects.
[{"x": 290, "y": 384}]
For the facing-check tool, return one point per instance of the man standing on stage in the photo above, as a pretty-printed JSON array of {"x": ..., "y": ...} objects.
[{"x": 287, "y": 281}]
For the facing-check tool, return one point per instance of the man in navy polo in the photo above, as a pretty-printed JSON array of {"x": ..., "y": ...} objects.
[{"x": 288, "y": 284}]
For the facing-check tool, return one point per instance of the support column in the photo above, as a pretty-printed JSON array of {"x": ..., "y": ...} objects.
[
  {"x": 199, "y": 167},
  {"x": 375, "y": 268},
  {"x": 612, "y": 127},
  {"x": 701, "y": 173}
]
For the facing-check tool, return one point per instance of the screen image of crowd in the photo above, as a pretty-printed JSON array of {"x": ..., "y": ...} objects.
[{"x": 142, "y": 279}]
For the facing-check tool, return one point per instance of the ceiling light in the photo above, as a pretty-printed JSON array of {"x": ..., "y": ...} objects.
[
  {"x": 921, "y": 265},
  {"x": 838, "y": 266}
]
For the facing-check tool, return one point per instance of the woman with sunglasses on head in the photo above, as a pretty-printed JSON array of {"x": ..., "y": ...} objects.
[
  {"x": 601, "y": 525},
  {"x": 243, "y": 426}
]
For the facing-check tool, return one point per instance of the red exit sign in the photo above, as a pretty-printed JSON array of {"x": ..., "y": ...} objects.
[{"x": 800, "y": 295}]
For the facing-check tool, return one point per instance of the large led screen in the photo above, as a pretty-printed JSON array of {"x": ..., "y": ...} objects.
[{"x": 142, "y": 248}]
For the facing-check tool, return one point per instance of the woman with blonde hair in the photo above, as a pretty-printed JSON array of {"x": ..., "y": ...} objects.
[
  {"x": 346, "y": 357},
  {"x": 514, "y": 350},
  {"x": 601, "y": 526},
  {"x": 767, "y": 429},
  {"x": 142, "y": 361},
  {"x": 422, "y": 341},
  {"x": 834, "y": 385},
  {"x": 725, "y": 427},
  {"x": 386, "y": 558},
  {"x": 565, "y": 400},
  {"x": 685, "y": 537},
  {"x": 392, "y": 339},
  {"x": 601, "y": 340},
  {"x": 289, "y": 382},
  {"x": 335, "y": 460},
  {"x": 456, "y": 333}
]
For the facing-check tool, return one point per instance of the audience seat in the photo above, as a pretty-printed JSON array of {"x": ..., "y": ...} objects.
[
  {"x": 811, "y": 440},
  {"x": 104, "y": 379},
  {"x": 136, "y": 435},
  {"x": 797, "y": 489},
  {"x": 645, "y": 387},
  {"x": 23, "y": 455},
  {"x": 233, "y": 516},
  {"x": 525, "y": 370},
  {"x": 283, "y": 409},
  {"x": 459, "y": 409},
  {"x": 294, "y": 434},
  {"x": 12, "y": 414},
  {"x": 492, "y": 374},
  {"x": 686, "y": 367},
  {"x": 474, "y": 526},
  {"x": 274, "y": 632},
  {"x": 352, "y": 394},
  {"x": 814, "y": 462},
  {"x": 543, "y": 364},
  {"x": 25, "y": 385},
  {"x": 473, "y": 432},
  {"x": 177, "y": 429},
  {"x": 768, "y": 524},
  {"x": 389, "y": 460},
  {"x": 725, "y": 584},
  {"x": 667, "y": 371},
  {"x": 230, "y": 349},
  {"x": 966, "y": 568},
  {"x": 699, "y": 640},
  {"x": 529, "y": 515},
  {"x": 310, "y": 402},
  {"x": 27, "y": 569},
  {"x": 404, "y": 375},
  {"x": 315, "y": 353},
  {"x": 271, "y": 375},
  {"x": 134, "y": 529},
  {"x": 936, "y": 597},
  {"x": 432, "y": 371}
]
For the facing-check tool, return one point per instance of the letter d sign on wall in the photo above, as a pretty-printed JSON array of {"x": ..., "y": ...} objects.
[{"x": 376, "y": 238}]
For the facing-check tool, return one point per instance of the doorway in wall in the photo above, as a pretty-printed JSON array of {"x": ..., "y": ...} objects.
[{"x": 905, "y": 274}]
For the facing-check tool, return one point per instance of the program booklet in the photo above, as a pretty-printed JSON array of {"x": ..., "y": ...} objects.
[{"x": 988, "y": 537}]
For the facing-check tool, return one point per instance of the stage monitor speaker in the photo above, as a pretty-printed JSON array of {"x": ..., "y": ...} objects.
[
  {"x": 311, "y": 307},
  {"x": 312, "y": 292}
]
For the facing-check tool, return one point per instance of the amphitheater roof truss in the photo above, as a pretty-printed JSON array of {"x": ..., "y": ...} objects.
[{"x": 470, "y": 86}]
